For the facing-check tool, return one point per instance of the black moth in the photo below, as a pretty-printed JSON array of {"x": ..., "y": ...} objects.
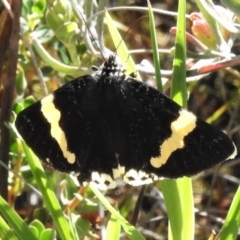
[{"x": 107, "y": 125}]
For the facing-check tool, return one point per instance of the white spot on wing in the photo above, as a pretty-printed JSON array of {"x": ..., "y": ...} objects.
[
  {"x": 136, "y": 178},
  {"x": 181, "y": 127},
  {"x": 53, "y": 116},
  {"x": 102, "y": 181}
]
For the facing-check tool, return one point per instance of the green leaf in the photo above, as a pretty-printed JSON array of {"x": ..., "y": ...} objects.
[
  {"x": 34, "y": 230},
  {"x": 233, "y": 5},
  {"x": 39, "y": 6},
  {"x": 38, "y": 225},
  {"x": 21, "y": 82},
  {"x": 43, "y": 33},
  {"x": 58, "y": 13},
  {"x": 66, "y": 33},
  {"x": 82, "y": 227},
  {"x": 212, "y": 16},
  {"x": 50, "y": 61},
  {"x": 19, "y": 226},
  {"x": 47, "y": 234}
]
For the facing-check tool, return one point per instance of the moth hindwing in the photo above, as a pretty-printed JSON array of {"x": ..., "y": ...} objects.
[{"x": 106, "y": 126}]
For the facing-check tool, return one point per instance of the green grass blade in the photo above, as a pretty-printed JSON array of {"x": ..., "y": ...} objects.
[
  {"x": 130, "y": 230},
  {"x": 232, "y": 222},
  {"x": 156, "y": 58},
  {"x": 179, "y": 90},
  {"x": 113, "y": 228},
  {"x": 178, "y": 193},
  {"x": 6, "y": 232},
  {"x": 19, "y": 226},
  {"x": 49, "y": 197}
]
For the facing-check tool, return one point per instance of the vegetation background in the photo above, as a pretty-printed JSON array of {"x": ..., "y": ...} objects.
[{"x": 63, "y": 49}]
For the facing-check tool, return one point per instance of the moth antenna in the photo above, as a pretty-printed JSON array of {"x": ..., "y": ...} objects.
[
  {"x": 126, "y": 58},
  {"x": 98, "y": 44},
  {"x": 131, "y": 27}
]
